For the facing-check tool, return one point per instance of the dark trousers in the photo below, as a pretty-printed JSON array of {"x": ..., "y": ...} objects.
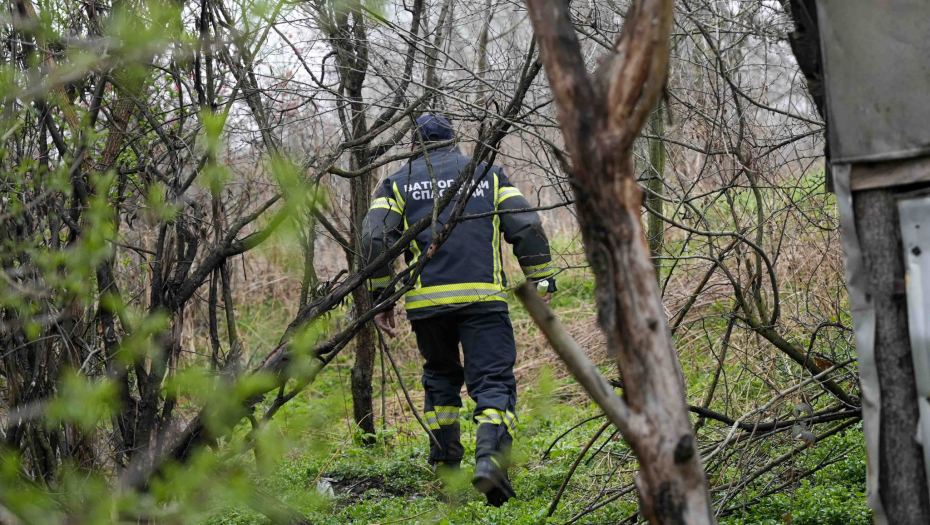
[{"x": 490, "y": 351}]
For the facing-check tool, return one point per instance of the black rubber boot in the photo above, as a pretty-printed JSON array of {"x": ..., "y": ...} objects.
[{"x": 491, "y": 480}]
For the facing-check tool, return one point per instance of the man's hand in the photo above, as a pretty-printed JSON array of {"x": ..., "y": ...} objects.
[
  {"x": 548, "y": 297},
  {"x": 385, "y": 321}
]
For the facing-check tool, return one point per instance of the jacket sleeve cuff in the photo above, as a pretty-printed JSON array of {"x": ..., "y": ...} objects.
[
  {"x": 539, "y": 272},
  {"x": 377, "y": 293}
]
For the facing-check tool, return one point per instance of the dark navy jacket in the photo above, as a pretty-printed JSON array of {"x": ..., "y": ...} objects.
[{"x": 466, "y": 274}]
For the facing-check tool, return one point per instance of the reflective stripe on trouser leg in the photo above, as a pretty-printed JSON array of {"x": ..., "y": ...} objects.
[
  {"x": 443, "y": 376},
  {"x": 443, "y": 421},
  {"x": 495, "y": 435},
  {"x": 490, "y": 352},
  {"x": 440, "y": 416}
]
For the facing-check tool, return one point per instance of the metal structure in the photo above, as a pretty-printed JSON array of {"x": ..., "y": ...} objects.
[
  {"x": 877, "y": 78},
  {"x": 915, "y": 234}
]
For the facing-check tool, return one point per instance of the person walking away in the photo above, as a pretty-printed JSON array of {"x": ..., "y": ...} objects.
[{"x": 460, "y": 298}]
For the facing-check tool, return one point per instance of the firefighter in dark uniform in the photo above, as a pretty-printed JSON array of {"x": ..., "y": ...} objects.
[{"x": 460, "y": 298}]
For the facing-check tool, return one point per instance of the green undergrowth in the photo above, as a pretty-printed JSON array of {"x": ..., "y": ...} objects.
[
  {"x": 832, "y": 496},
  {"x": 322, "y": 469},
  {"x": 391, "y": 482}
]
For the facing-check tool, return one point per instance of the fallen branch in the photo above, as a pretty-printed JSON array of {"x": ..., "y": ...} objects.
[
  {"x": 782, "y": 394},
  {"x": 790, "y": 454},
  {"x": 773, "y": 425}
]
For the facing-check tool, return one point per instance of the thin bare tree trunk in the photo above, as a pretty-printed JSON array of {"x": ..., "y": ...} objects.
[
  {"x": 432, "y": 53},
  {"x": 656, "y": 227},
  {"x": 600, "y": 116},
  {"x": 363, "y": 369},
  {"x": 482, "y": 52},
  {"x": 350, "y": 41}
]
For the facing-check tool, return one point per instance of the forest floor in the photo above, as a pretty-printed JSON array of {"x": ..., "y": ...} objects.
[{"x": 323, "y": 470}]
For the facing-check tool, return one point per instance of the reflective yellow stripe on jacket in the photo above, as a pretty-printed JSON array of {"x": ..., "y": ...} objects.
[
  {"x": 378, "y": 283},
  {"x": 387, "y": 203},
  {"x": 413, "y": 244},
  {"x": 496, "y": 236},
  {"x": 506, "y": 193},
  {"x": 539, "y": 271},
  {"x": 453, "y": 294}
]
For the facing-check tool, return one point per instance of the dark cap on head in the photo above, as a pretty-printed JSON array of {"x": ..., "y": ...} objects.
[{"x": 434, "y": 128}]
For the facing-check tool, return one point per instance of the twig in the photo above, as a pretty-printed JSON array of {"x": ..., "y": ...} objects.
[
  {"x": 563, "y": 434},
  {"x": 400, "y": 381},
  {"x": 600, "y": 448},
  {"x": 709, "y": 395},
  {"x": 515, "y": 210},
  {"x": 383, "y": 393},
  {"x": 558, "y": 495},
  {"x": 788, "y": 455},
  {"x": 607, "y": 501},
  {"x": 768, "y": 405},
  {"x": 779, "y": 488},
  {"x": 773, "y": 425}
]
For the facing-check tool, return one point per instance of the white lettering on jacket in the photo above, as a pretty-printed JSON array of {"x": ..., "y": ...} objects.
[{"x": 424, "y": 190}]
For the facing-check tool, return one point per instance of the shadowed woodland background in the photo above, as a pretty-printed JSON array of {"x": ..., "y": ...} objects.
[{"x": 184, "y": 338}]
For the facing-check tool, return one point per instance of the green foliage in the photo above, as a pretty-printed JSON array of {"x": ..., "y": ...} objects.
[
  {"x": 391, "y": 481},
  {"x": 832, "y": 496},
  {"x": 83, "y": 401},
  {"x": 810, "y": 505}
]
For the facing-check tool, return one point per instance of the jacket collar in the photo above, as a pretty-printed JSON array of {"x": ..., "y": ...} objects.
[{"x": 442, "y": 152}]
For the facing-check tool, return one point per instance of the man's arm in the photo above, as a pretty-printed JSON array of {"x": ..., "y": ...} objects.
[
  {"x": 381, "y": 228},
  {"x": 524, "y": 231}
]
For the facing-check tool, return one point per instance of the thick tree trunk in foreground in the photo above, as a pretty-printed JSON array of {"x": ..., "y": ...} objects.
[
  {"x": 902, "y": 476},
  {"x": 600, "y": 116}
]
